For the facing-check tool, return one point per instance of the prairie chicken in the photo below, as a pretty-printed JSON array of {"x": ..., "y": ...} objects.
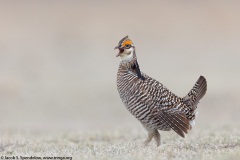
[{"x": 150, "y": 102}]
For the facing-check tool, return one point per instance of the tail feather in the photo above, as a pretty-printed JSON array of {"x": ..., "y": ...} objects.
[
  {"x": 193, "y": 97},
  {"x": 202, "y": 88},
  {"x": 196, "y": 93}
]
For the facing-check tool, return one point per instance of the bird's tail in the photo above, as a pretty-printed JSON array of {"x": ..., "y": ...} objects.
[{"x": 194, "y": 96}]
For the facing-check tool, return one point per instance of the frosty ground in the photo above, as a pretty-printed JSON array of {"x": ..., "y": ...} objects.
[{"x": 202, "y": 143}]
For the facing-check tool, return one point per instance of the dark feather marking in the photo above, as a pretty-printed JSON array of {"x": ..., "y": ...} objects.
[{"x": 136, "y": 68}]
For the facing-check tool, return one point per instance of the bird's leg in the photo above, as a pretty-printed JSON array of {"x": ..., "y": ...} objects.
[
  {"x": 148, "y": 140},
  {"x": 152, "y": 133},
  {"x": 157, "y": 137}
]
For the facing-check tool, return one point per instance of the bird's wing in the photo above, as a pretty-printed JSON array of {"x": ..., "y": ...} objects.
[
  {"x": 162, "y": 104},
  {"x": 174, "y": 119},
  {"x": 160, "y": 93}
]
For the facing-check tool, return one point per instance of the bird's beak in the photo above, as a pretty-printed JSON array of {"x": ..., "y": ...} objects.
[{"x": 120, "y": 50}]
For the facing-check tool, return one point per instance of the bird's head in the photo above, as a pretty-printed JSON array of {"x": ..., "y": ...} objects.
[{"x": 126, "y": 49}]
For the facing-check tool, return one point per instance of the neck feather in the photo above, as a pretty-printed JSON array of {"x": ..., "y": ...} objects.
[
  {"x": 129, "y": 60},
  {"x": 132, "y": 65}
]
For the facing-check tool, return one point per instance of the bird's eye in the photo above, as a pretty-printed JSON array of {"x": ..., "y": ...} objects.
[{"x": 128, "y": 46}]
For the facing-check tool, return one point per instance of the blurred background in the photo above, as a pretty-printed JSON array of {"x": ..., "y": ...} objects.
[{"x": 58, "y": 67}]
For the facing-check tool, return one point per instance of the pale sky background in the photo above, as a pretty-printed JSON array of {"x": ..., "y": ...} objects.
[{"x": 58, "y": 67}]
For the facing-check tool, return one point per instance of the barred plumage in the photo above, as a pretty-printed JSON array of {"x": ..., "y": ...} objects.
[{"x": 150, "y": 102}]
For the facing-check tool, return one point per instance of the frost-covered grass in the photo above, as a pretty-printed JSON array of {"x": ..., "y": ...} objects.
[{"x": 222, "y": 143}]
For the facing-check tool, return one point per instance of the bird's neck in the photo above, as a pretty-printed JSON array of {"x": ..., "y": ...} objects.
[
  {"x": 132, "y": 65},
  {"x": 127, "y": 63}
]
